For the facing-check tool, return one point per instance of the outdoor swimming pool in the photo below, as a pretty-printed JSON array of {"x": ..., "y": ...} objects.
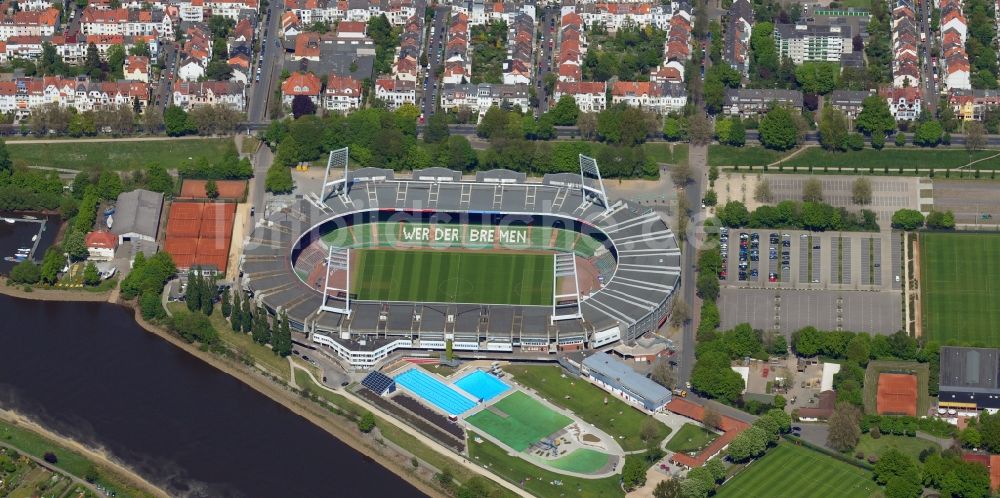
[
  {"x": 434, "y": 391},
  {"x": 482, "y": 385}
]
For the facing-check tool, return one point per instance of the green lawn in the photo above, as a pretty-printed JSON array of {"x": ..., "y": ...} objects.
[
  {"x": 797, "y": 472},
  {"x": 116, "y": 155},
  {"x": 960, "y": 287},
  {"x": 620, "y": 420},
  {"x": 909, "y": 445},
  {"x": 68, "y": 460},
  {"x": 892, "y": 158},
  {"x": 691, "y": 438},
  {"x": 724, "y": 155},
  {"x": 539, "y": 482},
  {"x": 518, "y": 420},
  {"x": 584, "y": 461},
  {"x": 464, "y": 277}
]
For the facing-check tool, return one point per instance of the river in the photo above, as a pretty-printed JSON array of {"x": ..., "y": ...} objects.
[{"x": 88, "y": 371}]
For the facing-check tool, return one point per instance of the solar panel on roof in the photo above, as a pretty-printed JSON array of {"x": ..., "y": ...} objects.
[{"x": 379, "y": 383}]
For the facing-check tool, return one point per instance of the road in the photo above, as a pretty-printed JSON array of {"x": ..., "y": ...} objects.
[
  {"x": 435, "y": 49},
  {"x": 270, "y": 68},
  {"x": 549, "y": 24}
]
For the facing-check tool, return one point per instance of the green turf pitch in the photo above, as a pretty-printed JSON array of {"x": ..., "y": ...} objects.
[
  {"x": 960, "y": 287},
  {"x": 523, "y": 421},
  {"x": 453, "y": 277},
  {"x": 789, "y": 471}
]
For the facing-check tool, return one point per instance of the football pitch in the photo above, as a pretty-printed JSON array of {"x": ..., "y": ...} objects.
[
  {"x": 794, "y": 471},
  {"x": 960, "y": 287},
  {"x": 453, "y": 277}
]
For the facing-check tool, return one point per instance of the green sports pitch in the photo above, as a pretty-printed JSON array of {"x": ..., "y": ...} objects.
[
  {"x": 789, "y": 471},
  {"x": 960, "y": 287},
  {"x": 479, "y": 277}
]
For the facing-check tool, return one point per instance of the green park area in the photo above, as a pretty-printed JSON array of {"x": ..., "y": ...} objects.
[
  {"x": 691, "y": 438},
  {"x": 960, "y": 286},
  {"x": 537, "y": 481},
  {"x": 790, "y": 471},
  {"x": 911, "y": 446},
  {"x": 518, "y": 420},
  {"x": 592, "y": 404},
  {"x": 117, "y": 154}
]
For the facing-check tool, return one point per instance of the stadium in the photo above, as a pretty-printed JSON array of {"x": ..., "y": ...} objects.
[{"x": 373, "y": 262}]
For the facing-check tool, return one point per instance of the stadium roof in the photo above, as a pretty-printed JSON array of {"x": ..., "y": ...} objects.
[
  {"x": 137, "y": 212},
  {"x": 969, "y": 369},
  {"x": 612, "y": 368}
]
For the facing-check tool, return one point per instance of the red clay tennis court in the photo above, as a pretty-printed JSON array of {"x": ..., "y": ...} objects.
[
  {"x": 199, "y": 234},
  {"x": 228, "y": 189},
  {"x": 897, "y": 394}
]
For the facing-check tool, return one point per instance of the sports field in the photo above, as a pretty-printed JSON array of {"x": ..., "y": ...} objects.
[
  {"x": 457, "y": 277},
  {"x": 518, "y": 420},
  {"x": 960, "y": 287},
  {"x": 795, "y": 471}
]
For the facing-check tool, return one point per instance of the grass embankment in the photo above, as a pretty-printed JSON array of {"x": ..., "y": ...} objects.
[
  {"x": 750, "y": 155},
  {"x": 116, "y": 155},
  {"x": 960, "y": 282},
  {"x": 537, "y": 481},
  {"x": 892, "y": 158},
  {"x": 795, "y": 471},
  {"x": 620, "y": 420},
  {"x": 242, "y": 344},
  {"x": 691, "y": 438},
  {"x": 68, "y": 460},
  {"x": 394, "y": 434}
]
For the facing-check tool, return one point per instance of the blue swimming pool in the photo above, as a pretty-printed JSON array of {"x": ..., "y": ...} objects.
[
  {"x": 434, "y": 391},
  {"x": 482, "y": 385}
]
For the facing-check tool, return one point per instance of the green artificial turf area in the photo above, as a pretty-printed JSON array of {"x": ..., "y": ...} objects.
[
  {"x": 118, "y": 154},
  {"x": 691, "y": 438},
  {"x": 960, "y": 287},
  {"x": 518, "y": 420},
  {"x": 537, "y": 481},
  {"x": 594, "y": 405},
  {"x": 789, "y": 471},
  {"x": 460, "y": 277}
]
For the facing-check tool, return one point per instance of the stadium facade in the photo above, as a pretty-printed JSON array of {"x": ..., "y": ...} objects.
[{"x": 638, "y": 260}]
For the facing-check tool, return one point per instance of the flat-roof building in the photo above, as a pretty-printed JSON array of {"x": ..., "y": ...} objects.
[
  {"x": 968, "y": 378},
  {"x": 614, "y": 376},
  {"x": 137, "y": 215}
]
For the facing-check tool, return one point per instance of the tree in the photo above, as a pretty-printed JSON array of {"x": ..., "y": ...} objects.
[
  {"x": 844, "y": 425},
  {"x": 699, "y": 129},
  {"x": 25, "y": 272},
  {"x": 669, "y": 488},
  {"x": 367, "y": 422},
  {"x": 894, "y": 463},
  {"x": 875, "y": 117},
  {"x": 928, "y": 134},
  {"x": 907, "y": 219},
  {"x": 211, "y": 189},
  {"x": 812, "y": 190},
  {"x": 90, "y": 274},
  {"x": 833, "y": 129},
  {"x": 634, "y": 473},
  {"x": 565, "y": 112},
  {"x": 975, "y": 136},
  {"x": 302, "y": 105},
  {"x": 861, "y": 191},
  {"x": 778, "y": 130}
]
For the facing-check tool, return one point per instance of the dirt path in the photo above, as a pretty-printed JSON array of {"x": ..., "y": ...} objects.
[{"x": 99, "y": 457}]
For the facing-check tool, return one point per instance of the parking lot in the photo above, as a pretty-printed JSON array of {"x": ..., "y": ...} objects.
[
  {"x": 790, "y": 310},
  {"x": 797, "y": 259}
]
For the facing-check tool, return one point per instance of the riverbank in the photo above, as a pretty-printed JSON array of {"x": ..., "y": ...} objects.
[
  {"x": 37, "y": 294},
  {"x": 302, "y": 407},
  {"x": 99, "y": 458}
]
